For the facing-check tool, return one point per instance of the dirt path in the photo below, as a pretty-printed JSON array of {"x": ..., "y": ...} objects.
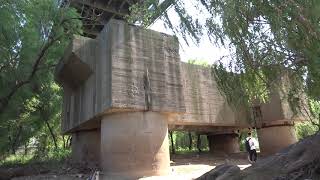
[
  {"x": 191, "y": 166},
  {"x": 183, "y": 167}
]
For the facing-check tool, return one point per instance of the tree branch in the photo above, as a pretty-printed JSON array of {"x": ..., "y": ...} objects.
[{"x": 4, "y": 101}]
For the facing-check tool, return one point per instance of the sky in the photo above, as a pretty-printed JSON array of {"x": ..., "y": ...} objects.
[{"x": 205, "y": 51}]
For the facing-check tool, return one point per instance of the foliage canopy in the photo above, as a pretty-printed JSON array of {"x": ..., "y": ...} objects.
[{"x": 33, "y": 36}]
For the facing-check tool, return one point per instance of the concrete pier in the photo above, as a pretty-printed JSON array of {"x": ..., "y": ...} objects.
[
  {"x": 135, "y": 144},
  {"x": 274, "y": 138},
  {"x": 225, "y": 143},
  {"x": 86, "y": 147}
]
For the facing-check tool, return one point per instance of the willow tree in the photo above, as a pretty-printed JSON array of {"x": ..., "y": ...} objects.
[
  {"x": 33, "y": 36},
  {"x": 268, "y": 40}
]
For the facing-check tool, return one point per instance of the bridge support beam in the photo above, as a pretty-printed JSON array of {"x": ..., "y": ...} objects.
[
  {"x": 274, "y": 138},
  {"x": 134, "y": 144},
  {"x": 224, "y": 143},
  {"x": 86, "y": 147}
]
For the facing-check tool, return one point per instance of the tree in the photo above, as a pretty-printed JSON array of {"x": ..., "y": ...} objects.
[
  {"x": 173, "y": 151},
  {"x": 199, "y": 142},
  {"x": 190, "y": 140},
  {"x": 33, "y": 36}
]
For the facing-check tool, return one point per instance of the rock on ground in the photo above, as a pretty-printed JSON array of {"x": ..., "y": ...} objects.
[
  {"x": 298, "y": 161},
  {"x": 221, "y": 172}
]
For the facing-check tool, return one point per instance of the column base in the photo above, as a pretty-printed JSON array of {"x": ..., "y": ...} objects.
[
  {"x": 224, "y": 143},
  {"x": 273, "y": 139},
  {"x": 86, "y": 147},
  {"x": 135, "y": 144}
]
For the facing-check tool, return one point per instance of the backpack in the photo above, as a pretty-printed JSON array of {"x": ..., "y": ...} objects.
[{"x": 247, "y": 145}]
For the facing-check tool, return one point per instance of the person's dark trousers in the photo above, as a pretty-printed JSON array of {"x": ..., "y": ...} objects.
[{"x": 253, "y": 155}]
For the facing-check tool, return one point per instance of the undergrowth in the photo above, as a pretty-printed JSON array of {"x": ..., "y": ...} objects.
[{"x": 21, "y": 159}]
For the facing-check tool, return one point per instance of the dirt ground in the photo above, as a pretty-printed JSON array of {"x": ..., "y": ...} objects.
[
  {"x": 192, "y": 166},
  {"x": 183, "y": 166}
]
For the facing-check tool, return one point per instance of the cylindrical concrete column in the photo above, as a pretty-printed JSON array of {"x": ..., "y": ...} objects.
[
  {"x": 86, "y": 147},
  {"x": 135, "y": 144},
  {"x": 273, "y": 139},
  {"x": 225, "y": 143}
]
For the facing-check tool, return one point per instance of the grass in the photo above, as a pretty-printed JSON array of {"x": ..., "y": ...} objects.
[
  {"x": 18, "y": 159},
  {"x": 21, "y": 159},
  {"x": 180, "y": 150}
]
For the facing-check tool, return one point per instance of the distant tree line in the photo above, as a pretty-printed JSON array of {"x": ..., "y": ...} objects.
[{"x": 187, "y": 141}]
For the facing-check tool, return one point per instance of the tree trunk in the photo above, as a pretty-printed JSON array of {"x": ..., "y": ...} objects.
[
  {"x": 52, "y": 134},
  {"x": 14, "y": 143},
  {"x": 64, "y": 142},
  {"x": 11, "y": 148},
  {"x": 199, "y": 143},
  {"x": 173, "y": 151},
  {"x": 190, "y": 141},
  {"x": 319, "y": 123},
  {"x": 44, "y": 116},
  {"x": 69, "y": 141},
  {"x": 26, "y": 149}
]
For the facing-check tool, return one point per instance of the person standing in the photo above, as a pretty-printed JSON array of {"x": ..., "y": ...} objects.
[{"x": 251, "y": 146}]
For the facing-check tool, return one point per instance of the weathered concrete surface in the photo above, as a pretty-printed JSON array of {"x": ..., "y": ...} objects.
[
  {"x": 203, "y": 101},
  {"x": 273, "y": 139},
  {"x": 86, "y": 147},
  {"x": 272, "y": 110},
  {"x": 224, "y": 143},
  {"x": 145, "y": 69},
  {"x": 135, "y": 144},
  {"x": 277, "y": 110},
  {"x": 76, "y": 73},
  {"x": 275, "y": 121},
  {"x": 127, "y": 69}
]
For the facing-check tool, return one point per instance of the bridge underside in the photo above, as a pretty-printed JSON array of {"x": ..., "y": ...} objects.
[{"x": 135, "y": 144}]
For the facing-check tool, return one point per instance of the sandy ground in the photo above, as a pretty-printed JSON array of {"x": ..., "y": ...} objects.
[
  {"x": 192, "y": 166},
  {"x": 183, "y": 167}
]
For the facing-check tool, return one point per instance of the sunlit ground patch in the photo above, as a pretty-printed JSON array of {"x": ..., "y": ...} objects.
[{"x": 188, "y": 172}]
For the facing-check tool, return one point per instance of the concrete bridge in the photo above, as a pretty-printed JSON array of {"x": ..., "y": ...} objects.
[{"x": 124, "y": 89}]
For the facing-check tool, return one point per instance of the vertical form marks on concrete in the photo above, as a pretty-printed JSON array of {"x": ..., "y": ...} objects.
[
  {"x": 74, "y": 71},
  {"x": 135, "y": 144},
  {"x": 147, "y": 51},
  {"x": 120, "y": 58},
  {"x": 104, "y": 69}
]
